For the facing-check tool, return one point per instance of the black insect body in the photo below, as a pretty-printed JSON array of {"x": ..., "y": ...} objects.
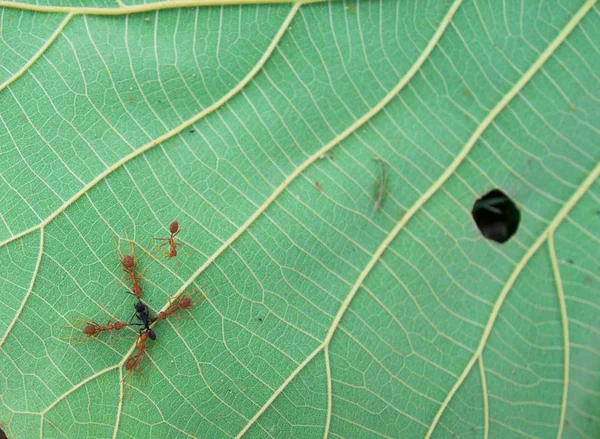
[{"x": 143, "y": 315}]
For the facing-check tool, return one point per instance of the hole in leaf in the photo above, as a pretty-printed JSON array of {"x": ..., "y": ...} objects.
[
  {"x": 496, "y": 216},
  {"x": 2, "y": 434}
]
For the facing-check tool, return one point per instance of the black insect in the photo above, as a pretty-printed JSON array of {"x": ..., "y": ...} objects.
[{"x": 143, "y": 315}]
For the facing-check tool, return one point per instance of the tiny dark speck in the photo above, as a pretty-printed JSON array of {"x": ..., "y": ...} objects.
[
  {"x": 570, "y": 261},
  {"x": 192, "y": 131}
]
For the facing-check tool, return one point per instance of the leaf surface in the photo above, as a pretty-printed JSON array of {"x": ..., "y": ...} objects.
[{"x": 334, "y": 306}]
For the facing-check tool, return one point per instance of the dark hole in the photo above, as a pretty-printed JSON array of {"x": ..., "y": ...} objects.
[
  {"x": 2, "y": 434},
  {"x": 496, "y": 216}
]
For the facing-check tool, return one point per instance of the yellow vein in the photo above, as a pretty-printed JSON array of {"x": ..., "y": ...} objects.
[
  {"x": 565, "y": 326},
  {"x": 361, "y": 426},
  {"x": 284, "y": 27},
  {"x": 557, "y": 219},
  {"x": 37, "y": 54},
  {"x": 329, "y": 393},
  {"x": 180, "y": 391},
  {"x": 510, "y": 282},
  {"x": 120, "y": 404},
  {"x": 149, "y": 7},
  {"x": 77, "y": 386},
  {"x": 335, "y": 141},
  {"x": 169, "y": 134},
  {"x": 275, "y": 394},
  {"x": 250, "y": 75},
  {"x": 484, "y": 391},
  {"x": 29, "y": 290},
  {"x": 206, "y": 383},
  {"x": 386, "y": 242},
  {"x": 352, "y": 128}
]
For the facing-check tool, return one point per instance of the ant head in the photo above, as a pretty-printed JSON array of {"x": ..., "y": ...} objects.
[
  {"x": 127, "y": 261},
  {"x": 185, "y": 302},
  {"x": 90, "y": 330}
]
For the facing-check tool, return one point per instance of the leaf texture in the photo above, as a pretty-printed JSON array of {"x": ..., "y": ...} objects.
[{"x": 264, "y": 130}]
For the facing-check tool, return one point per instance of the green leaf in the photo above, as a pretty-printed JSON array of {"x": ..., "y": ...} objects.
[{"x": 335, "y": 306}]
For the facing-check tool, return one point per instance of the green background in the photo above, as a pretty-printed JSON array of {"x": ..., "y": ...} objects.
[{"x": 256, "y": 126}]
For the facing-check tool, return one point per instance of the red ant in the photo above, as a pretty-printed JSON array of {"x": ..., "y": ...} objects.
[
  {"x": 128, "y": 264},
  {"x": 135, "y": 361},
  {"x": 129, "y": 267},
  {"x": 93, "y": 329},
  {"x": 183, "y": 303},
  {"x": 170, "y": 241}
]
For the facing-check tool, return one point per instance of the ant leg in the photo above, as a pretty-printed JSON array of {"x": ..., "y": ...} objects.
[
  {"x": 130, "y": 292},
  {"x": 131, "y": 319},
  {"x": 186, "y": 249},
  {"x": 158, "y": 247}
]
